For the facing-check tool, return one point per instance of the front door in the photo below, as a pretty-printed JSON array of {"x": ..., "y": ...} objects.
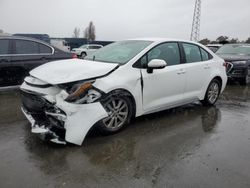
[
  {"x": 164, "y": 87},
  {"x": 26, "y": 57}
]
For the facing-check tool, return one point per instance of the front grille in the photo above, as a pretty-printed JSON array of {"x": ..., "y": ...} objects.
[
  {"x": 238, "y": 72},
  {"x": 34, "y": 103}
]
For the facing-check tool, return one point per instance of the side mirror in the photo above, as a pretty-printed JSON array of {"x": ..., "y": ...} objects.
[{"x": 156, "y": 64}]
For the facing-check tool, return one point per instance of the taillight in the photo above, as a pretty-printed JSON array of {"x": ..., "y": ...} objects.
[
  {"x": 74, "y": 56},
  {"x": 227, "y": 65}
]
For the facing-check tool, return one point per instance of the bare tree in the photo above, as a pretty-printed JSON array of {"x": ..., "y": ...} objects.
[
  {"x": 89, "y": 32},
  {"x": 1, "y": 31},
  {"x": 76, "y": 32},
  {"x": 205, "y": 41}
]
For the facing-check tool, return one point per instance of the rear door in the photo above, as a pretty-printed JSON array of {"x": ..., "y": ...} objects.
[
  {"x": 198, "y": 68},
  {"x": 27, "y": 55},
  {"x": 5, "y": 57}
]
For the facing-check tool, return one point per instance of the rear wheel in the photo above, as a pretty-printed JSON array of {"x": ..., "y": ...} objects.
[
  {"x": 212, "y": 93},
  {"x": 120, "y": 111}
]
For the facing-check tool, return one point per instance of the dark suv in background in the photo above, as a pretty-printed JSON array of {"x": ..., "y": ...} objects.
[
  {"x": 237, "y": 58},
  {"x": 18, "y": 55}
]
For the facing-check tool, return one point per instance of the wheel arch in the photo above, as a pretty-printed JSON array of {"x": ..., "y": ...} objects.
[
  {"x": 219, "y": 79},
  {"x": 124, "y": 92}
]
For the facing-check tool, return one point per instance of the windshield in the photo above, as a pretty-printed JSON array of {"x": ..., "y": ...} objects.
[
  {"x": 119, "y": 52},
  {"x": 239, "y": 49}
]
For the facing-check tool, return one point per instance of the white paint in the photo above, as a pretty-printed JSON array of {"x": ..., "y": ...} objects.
[
  {"x": 164, "y": 88},
  {"x": 70, "y": 70},
  {"x": 87, "y": 49},
  {"x": 80, "y": 118}
]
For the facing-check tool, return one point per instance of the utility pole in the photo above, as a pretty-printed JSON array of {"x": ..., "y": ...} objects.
[{"x": 195, "y": 33}]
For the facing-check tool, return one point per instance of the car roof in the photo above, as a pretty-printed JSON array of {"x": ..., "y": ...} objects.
[
  {"x": 164, "y": 40},
  {"x": 214, "y": 45},
  {"x": 24, "y": 38}
]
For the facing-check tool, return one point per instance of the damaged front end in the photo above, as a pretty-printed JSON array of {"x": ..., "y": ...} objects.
[
  {"x": 46, "y": 119},
  {"x": 58, "y": 114}
]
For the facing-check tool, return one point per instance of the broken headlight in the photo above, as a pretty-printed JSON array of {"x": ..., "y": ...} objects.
[{"x": 82, "y": 93}]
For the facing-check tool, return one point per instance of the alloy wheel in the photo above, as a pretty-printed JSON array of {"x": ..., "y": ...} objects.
[
  {"x": 213, "y": 92},
  {"x": 118, "y": 112}
]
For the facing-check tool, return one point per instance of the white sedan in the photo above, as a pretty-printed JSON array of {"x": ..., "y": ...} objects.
[
  {"x": 86, "y": 49},
  {"x": 64, "y": 99}
]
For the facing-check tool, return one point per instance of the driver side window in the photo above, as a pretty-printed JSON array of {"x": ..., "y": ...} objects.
[{"x": 168, "y": 52}]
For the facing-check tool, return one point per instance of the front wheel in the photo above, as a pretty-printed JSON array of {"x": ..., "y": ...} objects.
[
  {"x": 212, "y": 93},
  {"x": 83, "y": 55},
  {"x": 120, "y": 111}
]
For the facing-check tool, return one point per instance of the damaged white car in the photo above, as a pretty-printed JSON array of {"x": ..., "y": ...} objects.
[{"x": 64, "y": 99}]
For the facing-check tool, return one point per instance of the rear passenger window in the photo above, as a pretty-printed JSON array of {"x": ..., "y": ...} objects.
[
  {"x": 168, "y": 52},
  {"x": 4, "y": 47},
  {"x": 192, "y": 53},
  {"x": 204, "y": 55},
  {"x": 26, "y": 47},
  {"x": 44, "y": 49}
]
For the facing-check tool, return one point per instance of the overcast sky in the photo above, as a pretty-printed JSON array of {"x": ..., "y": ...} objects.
[{"x": 122, "y": 19}]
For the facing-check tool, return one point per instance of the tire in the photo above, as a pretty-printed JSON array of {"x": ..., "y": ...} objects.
[
  {"x": 212, "y": 93},
  {"x": 120, "y": 110},
  {"x": 83, "y": 55},
  {"x": 244, "y": 81}
]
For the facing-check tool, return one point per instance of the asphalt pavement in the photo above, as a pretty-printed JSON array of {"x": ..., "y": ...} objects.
[{"x": 189, "y": 146}]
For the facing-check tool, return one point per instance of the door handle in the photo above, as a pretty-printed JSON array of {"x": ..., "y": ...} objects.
[
  {"x": 206, "y": 67},
  {"x": 182, "y": 71}
]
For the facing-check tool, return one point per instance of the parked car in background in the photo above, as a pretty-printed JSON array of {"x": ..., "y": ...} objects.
[
  {"x": 63, "y": 100},
  {"x": 237, "y": 57},
  {"x": 41, "y": 37},
  {"x": 214, "y": 47},
  {"x": 18, "y": 55},
  {"x": 86, "y": 49},
  {"x": 60, "y": 44}
]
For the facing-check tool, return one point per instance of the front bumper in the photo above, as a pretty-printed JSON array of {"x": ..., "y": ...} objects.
[
  {"x": 58, "y": 121},
  {"x": 76, "y": 52},
  {"x": 44, "y": 132}
]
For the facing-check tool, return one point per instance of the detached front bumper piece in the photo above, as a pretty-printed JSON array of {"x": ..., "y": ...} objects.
[
  {"x": 44, "y": 131},
  {"x": 58, "y": 121}
]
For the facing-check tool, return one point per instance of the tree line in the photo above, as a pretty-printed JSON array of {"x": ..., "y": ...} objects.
[
  {"x": 88, "y": 32},
  {"x": 223, "y": 40}
]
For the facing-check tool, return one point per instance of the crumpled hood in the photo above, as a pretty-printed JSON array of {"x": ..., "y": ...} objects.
[{"x": 70, "y": 70}]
